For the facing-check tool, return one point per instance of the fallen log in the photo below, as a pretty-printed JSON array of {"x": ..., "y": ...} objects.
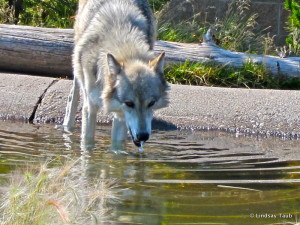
[
  {"x": 36, "y": 50},
  {"x": 48, "y": 51}
]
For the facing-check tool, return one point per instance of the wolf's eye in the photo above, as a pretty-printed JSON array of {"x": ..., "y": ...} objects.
[
  {"x": 129, "y": 104},
  {"x": 151, "y": 104}
]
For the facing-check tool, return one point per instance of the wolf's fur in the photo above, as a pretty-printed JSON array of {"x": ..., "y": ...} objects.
[{"x": 115, "y": 68}]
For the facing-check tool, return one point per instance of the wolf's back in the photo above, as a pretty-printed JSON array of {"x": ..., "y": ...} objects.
[{"x": 104, "y": 15}]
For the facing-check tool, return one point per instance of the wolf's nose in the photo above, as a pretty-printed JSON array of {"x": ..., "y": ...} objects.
[{"x": 142, "y": 136}]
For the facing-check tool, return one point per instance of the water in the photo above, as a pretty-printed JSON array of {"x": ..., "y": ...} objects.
[
  {"x": 141, "y": 148},
  {"x": 181, "y": 177}
]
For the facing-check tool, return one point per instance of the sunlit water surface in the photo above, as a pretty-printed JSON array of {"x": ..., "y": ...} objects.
[{"x": 182, "y": 177}]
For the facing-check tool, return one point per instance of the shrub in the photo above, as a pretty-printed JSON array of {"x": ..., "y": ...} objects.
[
  {"x": 45, "y": 13},
  {"x": 6, "y": 14},
  {"x": 293, "y": 23}
]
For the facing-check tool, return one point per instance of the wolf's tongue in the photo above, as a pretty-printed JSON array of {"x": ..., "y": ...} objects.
[{"x": 137, "y": 143}]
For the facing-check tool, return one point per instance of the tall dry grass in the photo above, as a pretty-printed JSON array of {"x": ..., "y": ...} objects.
[{"x": 56, "y": 195}]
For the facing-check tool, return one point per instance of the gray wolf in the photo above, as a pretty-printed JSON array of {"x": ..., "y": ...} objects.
[{"x": 115, "y": 68}]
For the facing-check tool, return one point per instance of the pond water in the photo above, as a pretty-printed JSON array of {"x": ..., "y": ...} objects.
[{"x": 183, "y": 177}]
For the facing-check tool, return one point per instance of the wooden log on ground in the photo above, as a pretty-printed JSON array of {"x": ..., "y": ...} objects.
[
  {"x": 48, "y": 51},
  {"x": 36, "y": 50}
]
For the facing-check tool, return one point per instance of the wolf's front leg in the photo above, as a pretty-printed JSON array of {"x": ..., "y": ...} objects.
[
  {"x": 72, "y": 105},
  {"x": 89, "y": 120},
  {"x": 118, "y": 133}
]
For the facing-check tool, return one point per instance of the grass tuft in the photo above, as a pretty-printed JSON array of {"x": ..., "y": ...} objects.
[
  {"x": 44, "y": 195},
  {"x": 250, "y": 75},
  {"x": 236, "y": 31}
]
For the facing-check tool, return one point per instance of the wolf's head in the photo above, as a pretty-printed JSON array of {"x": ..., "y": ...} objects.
[{"x": 133, "y": 90}]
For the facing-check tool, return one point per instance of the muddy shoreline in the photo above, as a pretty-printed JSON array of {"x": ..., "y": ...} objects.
[{"x": 243, "y": 111}]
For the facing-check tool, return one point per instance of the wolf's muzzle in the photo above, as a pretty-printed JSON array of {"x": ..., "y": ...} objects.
[{"x": 140, "y": 137}]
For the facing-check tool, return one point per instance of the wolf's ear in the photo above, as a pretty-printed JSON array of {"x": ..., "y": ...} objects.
[
  {"x": 158, "y": 63},
  {"x": 113, "y": 65}
]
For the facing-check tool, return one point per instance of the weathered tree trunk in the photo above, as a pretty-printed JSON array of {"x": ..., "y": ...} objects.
[
  {"x": 48, "y": 51},
  {"x": 36, "y": 50}
]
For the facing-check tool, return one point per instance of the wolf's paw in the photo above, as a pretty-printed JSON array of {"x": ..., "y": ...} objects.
[{"x": 64, "y": 128}]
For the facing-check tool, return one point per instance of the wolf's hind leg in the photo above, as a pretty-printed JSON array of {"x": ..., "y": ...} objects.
[{"x": 72, "y": 105}]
